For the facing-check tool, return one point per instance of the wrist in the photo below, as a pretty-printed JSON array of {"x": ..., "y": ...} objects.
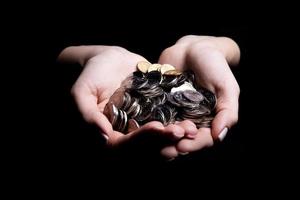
[
  {"x": 227, "y": 46},
  {"x": 82, "y": 54}
]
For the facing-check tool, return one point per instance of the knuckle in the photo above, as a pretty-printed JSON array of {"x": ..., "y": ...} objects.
[
  {"x": 153, "y": 126},
  {"x": 205, "y": 44},
  {"x": 188, "y": 122},
  {"x": 190, "y": 38},
  {"x": 168, "y": 51},
  {"x": 117, "y": 50}
]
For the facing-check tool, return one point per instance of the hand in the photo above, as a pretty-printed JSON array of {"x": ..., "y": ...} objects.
[
  {"x": 105, "y": 67},
  {"x": 209, "y": 58}
]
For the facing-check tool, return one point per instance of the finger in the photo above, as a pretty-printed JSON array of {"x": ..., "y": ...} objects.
[
  {"x": 174, "y": 132},
  {"x": 151, "y": 128},
  {"x": 146, "y": 134},
  {"x": 169, "y": 152},
  {"x": 189, "y": 128},
  {"x": 203, "y": 139},
  {"x": 87, "y": 105},
  {"x": 226, "y": 117}
]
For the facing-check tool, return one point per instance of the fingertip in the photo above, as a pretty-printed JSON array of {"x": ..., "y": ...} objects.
[
  {"x": 150, "y": 128},
  {"x": 184, "y": 145},
  {"x": 189, "y": 127},
  {"x": 169, "y": 152},
  {"x": 203, "y": 139},
  {"x": 223, "y": 134},
  {"x": 221, "y": 124},
  {"x": 105, "y": 136},
  {"x": 175, "y": 131},
  {"x": 154, "y": 125},
  {"x": 218, "y": 124}
]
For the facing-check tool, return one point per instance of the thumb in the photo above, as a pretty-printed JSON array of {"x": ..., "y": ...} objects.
[
  {"x": 87, "y": 105},
  {"x": 226, "y": 117}
]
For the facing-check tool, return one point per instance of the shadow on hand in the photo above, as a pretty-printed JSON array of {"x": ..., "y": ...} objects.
[{"x": 141, "y": 146}]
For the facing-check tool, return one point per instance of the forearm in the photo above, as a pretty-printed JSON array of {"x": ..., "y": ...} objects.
[
  {"x": 81, "y": 54},
  {"x": 225, "y": 45},
  {"x": 229, "y": 49},
  {"x": 190, "y": 45}
]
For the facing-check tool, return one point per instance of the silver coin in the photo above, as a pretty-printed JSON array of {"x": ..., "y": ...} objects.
[
  {"x": 111, "y": 111},
  {"x": 158, "y": 115},
  {"x": 124, "y": 123},
  {"x": 145, "y": 114},
  {"x": 144, "y": 97},
  {"x": 126, "y": 101},
  {"x": 193, "y": 96}
]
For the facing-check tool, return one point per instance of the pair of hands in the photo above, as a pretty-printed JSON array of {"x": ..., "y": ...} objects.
[{"x": 105, "y": 67}]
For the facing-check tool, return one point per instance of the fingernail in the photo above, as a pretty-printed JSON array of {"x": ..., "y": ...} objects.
[
  {"x": 192, "y": 134},
  {"x": 183, "y": 153},
  {"x": 105, "y": 136},
  {"x": 169, "y": 160},
  {"x": 178, "y": 134},
  {"x": 223, "y": 134}
]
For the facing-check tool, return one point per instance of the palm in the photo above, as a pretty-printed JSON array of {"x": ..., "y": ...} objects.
[
  {"x": 105, "y": 72},
  {"x": 101, "y": 76},
  {"x": 108, "y": 66},
  {"x": 212, "y": 72}
]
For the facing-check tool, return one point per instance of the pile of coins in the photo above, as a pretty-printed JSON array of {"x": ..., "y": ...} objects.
[{"x": 159, "y": 93}]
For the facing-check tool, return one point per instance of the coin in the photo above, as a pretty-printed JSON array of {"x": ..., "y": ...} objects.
[
  {"x": 159, "y": 93},
  {"x": 154, "y": 77},
  {"x": 183, "y": 87},
  {"x": 193, "y": 96},
  {"x": 172, "y": 72},
  {"x": 118, "y": 97},
  {"x": 138, "y": 81},
  {"x": 123, "y": 124},
  {"x": 172, "y": 100},
  {"x": 145, "y": 114},
  {"x": 167, "y": 111},
  {"x": 143, "y": 66},
  {"x": 154, "y": 67},
  {"x": 166, "y": 67},
  {"x": 158, "y": 115},
  {"x": 132, "y": 125},
  {"x": 126, "y": 101},
  {"x": 111, "y": 112},
  {"x": 211, "y": 98},
  {"x": 169, "y": 82}
]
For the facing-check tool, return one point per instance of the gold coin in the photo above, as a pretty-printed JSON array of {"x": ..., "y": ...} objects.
[
  {"x": 173, "y": 72},
  {"x": 166, "y": 67},
  {"x": 154, "y": 67},
  {"x": 143, "y": 66}
]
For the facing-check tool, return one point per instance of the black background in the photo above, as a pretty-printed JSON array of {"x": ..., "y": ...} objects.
[
  {"x": 51, "y": 140},
  {"x": 76, "y": 142}
]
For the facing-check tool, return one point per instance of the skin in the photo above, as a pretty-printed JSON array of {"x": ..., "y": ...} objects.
[
  {"x": 105, "y": 67},
  {"x": 209, "y": 57}
]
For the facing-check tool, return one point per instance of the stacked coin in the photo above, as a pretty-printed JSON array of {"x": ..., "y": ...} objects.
[{"x": 159, "y": 93}]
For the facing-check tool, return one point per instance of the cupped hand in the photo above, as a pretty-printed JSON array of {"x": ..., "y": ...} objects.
[
  {"x": 105, "y": 67},
  {"x": 209, "y": 58}
]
